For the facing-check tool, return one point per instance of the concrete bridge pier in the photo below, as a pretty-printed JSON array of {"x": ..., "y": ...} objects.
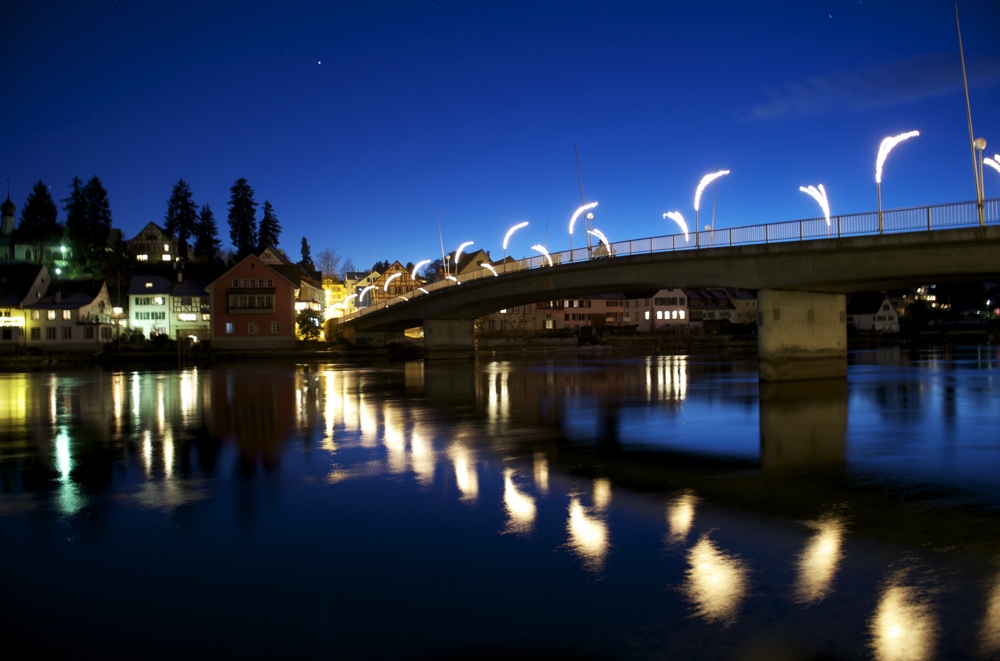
[
  {"x": 801, "y": 335},
  {"x": 449, "y": 338}
]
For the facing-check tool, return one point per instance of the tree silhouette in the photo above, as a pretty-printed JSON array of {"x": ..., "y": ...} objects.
[
  {"x": 242, "y": 218},
  {"x": 307, "y": 262},
  {"x": 88, "y": 219},
  {"x": 270, "y": 228},
  {"x": 38, "y": 219},
  {"x": 182, "y": 213},
  {"x": 206, "y": 236}
]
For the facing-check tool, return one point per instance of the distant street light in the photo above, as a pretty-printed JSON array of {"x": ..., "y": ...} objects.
[
  {"x": 883, "y": 151},
  {"x": 705, "y": 181},
  {"x": 542, "y": 250},
  {"x": 679, "y": 219},
  {"x": 507, "y": 238},
  {"x": 458, "y": 253},
  {"x": 572, "y": 221},
  {"x": 824, "y": 203}
]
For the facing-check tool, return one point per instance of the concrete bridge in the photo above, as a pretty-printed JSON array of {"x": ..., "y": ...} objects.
[{"x": 801, "y": 270}]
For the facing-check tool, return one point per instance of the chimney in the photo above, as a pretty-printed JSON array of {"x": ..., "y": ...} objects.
[
  {"x": 180, "y": 276},
  {"x": 58, "y": 297}
]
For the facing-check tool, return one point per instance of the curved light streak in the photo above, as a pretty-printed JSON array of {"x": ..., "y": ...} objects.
[
  {"x": 364, "y": 291},
  {"x": 820, "y": 196},
  {"x": 679, "y": 219},
  {"x": 511, "y": 231},
  {"x": 418, "y": 267},
  {"x": 348, "y": 300},
  {"x": 705, "y": 181},
  {"x": 423, "y": 290},
  {"x": 338, "y": 306},
  {"x": 458, "y": 253},
  {"x": 390, "y": 279},
  {"x": 886, "y": 147},
  {"x": 993, "y": 162},
  {"x": 540, "y": 248},
  {"x": 451, "y": 277},
  {"x": 489, "y": 266},
  {"x": 577, "y": 213},
  {"x": 600, "y": 235}
]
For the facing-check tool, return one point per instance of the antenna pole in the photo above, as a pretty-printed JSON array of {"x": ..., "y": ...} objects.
[{"x": 972, "y": 139}]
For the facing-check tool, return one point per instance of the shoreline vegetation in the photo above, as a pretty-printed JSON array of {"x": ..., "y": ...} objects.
[{"x": 172, "y": 355}]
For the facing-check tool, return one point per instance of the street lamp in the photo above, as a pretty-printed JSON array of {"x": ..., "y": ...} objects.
[
  {"x": 824, "y": 203},
  {"x": 679, "y": 219},
  {"x": 540, "y": 248},
  {"x": 458, "y": 253},
  {"x": 418, "y": 267},
  {"x": 993, "y": 162},
  {"x": 507, "y": 238},
  {"x": 883, "y": 151},
  {"x": 572, "y": 221},
  {"x": 981, "y": 145},
  {"x": 705, "y": 181},
  {"x": 603, "y": 239}
]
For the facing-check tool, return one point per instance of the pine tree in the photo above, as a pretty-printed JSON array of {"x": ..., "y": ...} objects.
[
  {"x": 182, "y": 213},
  {"x": 38, "y": 219},
  {"x": 307, "y": 261},
  {"x": 242, "y": 218},
  {"x": 76, "y": 215},
  {"x": 206, "y": 236},
  {"x": 270, "y": 228},
  {"x": 88, "y": 218}
]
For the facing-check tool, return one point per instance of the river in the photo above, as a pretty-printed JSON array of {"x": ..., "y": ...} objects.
[{"x": 580, "y": 507}]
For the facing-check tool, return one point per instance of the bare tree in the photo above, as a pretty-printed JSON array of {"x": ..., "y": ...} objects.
[{"x": 327, "y": 261}]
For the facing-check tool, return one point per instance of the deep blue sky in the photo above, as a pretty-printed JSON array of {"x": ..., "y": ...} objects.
[{"x": 359, "y": 120}]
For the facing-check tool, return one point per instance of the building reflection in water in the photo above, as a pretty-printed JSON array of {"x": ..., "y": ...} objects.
[
  {"x": 465, "y": 472},
  {"x": 680, "y": 517},
  {"x": 666, "y": 378},
  {"x": 520, "y": 506},
  {"x": 717, "y": 582},
  {"x": 69, "y": 500},
  {"x": 803, "y": 426},
  {"x": 819, "y": 560},
  {"x": 903, "y": 627},
  {"x": 394, "y": 439},
  {"x": 422, "y": 457},
  {"x": 588, "y": 536},
  {"x": 990, "y": 629}
]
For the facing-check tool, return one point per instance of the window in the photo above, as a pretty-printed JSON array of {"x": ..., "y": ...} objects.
[
  {"x": 67, "y": 315},
  {"x": 270, "y": 282},
  {"x": 105, "y": 333},
  {"x": 236, "y": 283},
  {"x": 157, "y": 300},
  {"x": 67, "y": 332},
  {"x": 166, "y": 258},
  {"x": 681, "y": 299},
  {"x": 252, "y": 327},
  {"x": 681, "y": 313},
  {"x": 8, "y": 333},
  {"x": 36, "y": 315},
  {"x": 260, "y": 282},
  {"x": 516, "y": 309},
  {"x": 88, "y": 332},
  {"x": 36, "y": 333},
  {"x": 50, "y": 333},
  {"x": 550, "y": 324},
  {"x": 565, "y": 317},
  {"x": 659, "y": 314},
  {"x": 187, "y": 316},
  {"x": 674, "y": 314},
  {"x": 142, "y": 258},
  {"x": 275, "y": 327},
  {"x": 243, "y": 282},
  {"x": 647, "y": 314},
  {"x": 149, "y": 285},
  {"x": 50, "y": 314},
  {"x": 206, "y": 317},
  {"x": 504, "y": 311},
  {"x": 230, "y": 328}
]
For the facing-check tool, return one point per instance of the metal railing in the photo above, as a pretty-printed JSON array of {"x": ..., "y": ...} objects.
[{"x": 894, "y": 221}]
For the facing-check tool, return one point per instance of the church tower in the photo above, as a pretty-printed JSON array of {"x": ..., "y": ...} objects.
[{"x": 7, "y": 210}]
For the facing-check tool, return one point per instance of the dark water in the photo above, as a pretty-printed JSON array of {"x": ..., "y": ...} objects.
[{"x": 665, "y": 507}]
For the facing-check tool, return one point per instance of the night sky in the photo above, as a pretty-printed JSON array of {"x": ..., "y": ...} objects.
[{"x": 359, "y": 120}]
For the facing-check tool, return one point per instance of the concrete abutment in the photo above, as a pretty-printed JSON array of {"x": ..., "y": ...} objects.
[
  {"x": 449, "y": 338},
  {"x": 801, "y": 335}
]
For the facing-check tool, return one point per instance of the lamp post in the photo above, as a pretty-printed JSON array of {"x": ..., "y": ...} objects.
[
  {"x": 883, "y": 152},
  {"x": 572, "y": 221},
  {"x": 705, "y": 181},
  {"x": 981, "y": 145},
  {"x": 507, "y": 238}
]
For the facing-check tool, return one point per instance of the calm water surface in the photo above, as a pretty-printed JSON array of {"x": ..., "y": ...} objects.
[{"x": 664, "y": 507}]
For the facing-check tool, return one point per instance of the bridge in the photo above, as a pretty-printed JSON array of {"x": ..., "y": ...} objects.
[{"x": 800, "y": 269}]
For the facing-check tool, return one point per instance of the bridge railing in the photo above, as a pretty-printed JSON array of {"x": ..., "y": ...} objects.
[{"x": 913, "y": 219}]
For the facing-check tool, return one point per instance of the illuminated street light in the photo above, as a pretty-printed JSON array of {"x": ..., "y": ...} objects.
[
  {"x": 419, "y": 265},
  {"x": 490, "y": 267},
  {"x": 980, "y": 144},
  {"x": 993, "y": 162},
  {"x": 423, "y": 290},
  {"x": 572, "y": 221},
  {"x": 507, "y": 238},
  {"x": 458, "y": 253},
  {"x": 364, "y": 291},
  {"x": 820, "y": 197},
  {"x": 600, "y": 235},
  {"x": 679, "y": 219},
  {"x": 542, "y": 250},
  {"x": 451, "y": 277},
  {"x": 390, "y": 279},
  {"x": 883, "y": 151},
  {"x": 705, "y": 181}
]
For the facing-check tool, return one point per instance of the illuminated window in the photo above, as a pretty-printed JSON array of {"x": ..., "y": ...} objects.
[
  {"x": 187, "y": 316},
  {"x": 659, "y": 314},
  {"x": 230, "y": 329},
  {"x": 67, "y": 315},
  {"x": 681, "y": 313},
  {"x": 206, "y": 317},
  {"x": 166, "y": 247},
  {"x": 157, "y": 300},
  {"x": 142, "y": 258},
  {"x": 647, "y": 314},
  {"x": 36, "y": 315},
  {"x": 149, "y": 285},
  {"x": 674, "y": 314},
  {"x": 504, "y": 311},
  {"x": 51, "y": 314},
  {"x": 166, "y": 258}
]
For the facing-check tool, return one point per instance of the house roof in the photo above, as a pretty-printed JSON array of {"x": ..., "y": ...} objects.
[
  {"x": 69, "y": 294},
  {"x": 148, "y": 285},
  {"x": 866, "y": 302},
  {"x": 472, "y": 260},
  {"x": 258, "y": 260},
  {"x": 16, "y": 281}
]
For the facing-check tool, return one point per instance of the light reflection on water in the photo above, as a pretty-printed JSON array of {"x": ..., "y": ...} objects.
[{"x": 581, "y": 460}]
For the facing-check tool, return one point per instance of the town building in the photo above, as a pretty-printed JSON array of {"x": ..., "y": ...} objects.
[
  {"x": 154, "y": 245},
  {"x": 872, "y": 311},
  {"x": 20, "y": 285},
  {"x": 356, "y": 282},
  {"x": 177, "y": 306},
  {"x": 71, "y": 315},
  {"x": 54, "y": 252},
  {"x": 252, "y": 306},
  {"x": 396, "y": 281}
]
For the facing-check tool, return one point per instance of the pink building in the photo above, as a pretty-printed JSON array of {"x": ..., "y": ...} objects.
[{"x": 253, "y": 306}]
